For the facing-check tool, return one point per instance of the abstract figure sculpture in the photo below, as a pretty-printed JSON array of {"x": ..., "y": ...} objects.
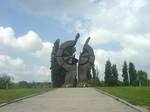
[
  {"x": 86, "y": 61},
  {"x": 66, "y": 59}
]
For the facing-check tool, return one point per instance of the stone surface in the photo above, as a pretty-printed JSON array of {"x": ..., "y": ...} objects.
[
  {"x": 69, "y": 100},
  {"x": 86, "y": 61},
  {"x": 66, "y": 59}
]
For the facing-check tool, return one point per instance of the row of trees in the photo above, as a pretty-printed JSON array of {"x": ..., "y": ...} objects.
[
  {"x": 6, "y": 83},
  {"x": 25, "y": 84},
  {"x": 130, "y": 75},
  {"x": 111, "y": 74},
  {"x": 133, "y": 77}
]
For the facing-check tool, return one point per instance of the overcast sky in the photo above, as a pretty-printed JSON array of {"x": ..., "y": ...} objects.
[{"x": 119, "y": 30}]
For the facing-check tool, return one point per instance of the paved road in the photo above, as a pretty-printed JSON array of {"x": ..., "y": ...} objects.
[{"x": 68, "y": 100}]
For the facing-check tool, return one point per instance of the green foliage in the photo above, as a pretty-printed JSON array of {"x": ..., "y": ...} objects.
[
  {"x": 108, "y": 73},
  {"x": 111, "y": 74},
  {"x": 121, "y": 83},
  {"x": 132, "y": 74},
  {"x": 125, "y": 74},
  {"x": 114, "y": 75},
  {"x": 94, "y": 82},
  {"x": 23, "y": 84},
  {"x": 142, "y": 78},
  {"x": 5, "y": 81},
  {"x": 135, "y": 95},
  {"x": 94, "y": 70},
  {"x": 57, "y": 72},
  {"x": 148, "y": 82},
  {"x": 129, "y": 74},
  {"x": 102, "y": 83},
  {"x": 89, "y": 76}
]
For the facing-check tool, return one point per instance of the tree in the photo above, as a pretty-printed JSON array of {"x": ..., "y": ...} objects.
[
  {"x": 108, "y": 73},
  {"x": 125, "y": 74},
  {"x": 132, "y": 74},
  {"x": 97, "y": 81},
  {"x": 5, "y": 81},
  {"x": 114, "y": 75},
  {"x": 94, "y": 71},
  {"x": 142, "y": 78},
  {"x": 94, "y": 81},
  {"x": 23, "y": 84},
  {"x": 57, "y": 72},
  {"x": 89, "y": 76}
]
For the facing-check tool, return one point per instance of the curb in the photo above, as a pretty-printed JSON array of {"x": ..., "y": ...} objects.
[
  {"x": 137, "y": 108},
  {"x": 22, "y": 98}
]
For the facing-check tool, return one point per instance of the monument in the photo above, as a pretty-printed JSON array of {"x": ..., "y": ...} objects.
[
  {"x": 86, "y": 60},
  {"x": 76, "y": 68}
]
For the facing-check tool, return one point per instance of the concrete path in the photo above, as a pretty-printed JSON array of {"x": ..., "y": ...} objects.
[{"x": 68, "y": 100}]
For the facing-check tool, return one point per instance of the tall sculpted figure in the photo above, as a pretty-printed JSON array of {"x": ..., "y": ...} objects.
[
  {"x": 66, "y": 59},
  {"x": 86, "y": 61}
]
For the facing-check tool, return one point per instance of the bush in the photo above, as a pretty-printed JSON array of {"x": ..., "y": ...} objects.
[{"x": 94, "y": 82}]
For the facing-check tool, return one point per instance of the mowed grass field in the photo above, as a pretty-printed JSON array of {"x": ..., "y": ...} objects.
[
  {"x": 135, "y": 95},
  {"x": 11, "y": 94}
]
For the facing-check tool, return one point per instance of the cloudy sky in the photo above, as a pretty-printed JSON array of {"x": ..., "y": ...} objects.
[{"x": 119, "y": 30}]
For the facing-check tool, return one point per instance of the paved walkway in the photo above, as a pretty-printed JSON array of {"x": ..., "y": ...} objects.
[{"x": 68, "y": 100}]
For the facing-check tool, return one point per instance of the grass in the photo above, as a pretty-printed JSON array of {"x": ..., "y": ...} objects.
[
  {"x": 11, "y": 94},
  {"x": 135, "y": 95}
]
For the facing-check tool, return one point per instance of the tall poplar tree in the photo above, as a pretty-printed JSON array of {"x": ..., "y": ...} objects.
[
  {"x": 89, "y": 76},
  {"x": 132, "y": 74},
  {"x": 108, "y": 73},
  {"x": 125, "y": 74},
  {"x": 114, "y": 75},
  {"x": 57, "y": 72}
]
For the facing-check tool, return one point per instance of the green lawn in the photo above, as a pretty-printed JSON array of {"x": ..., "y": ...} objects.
[
  {"x": 11, "y": 94},
  {"x": 135, "y": 95}
]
